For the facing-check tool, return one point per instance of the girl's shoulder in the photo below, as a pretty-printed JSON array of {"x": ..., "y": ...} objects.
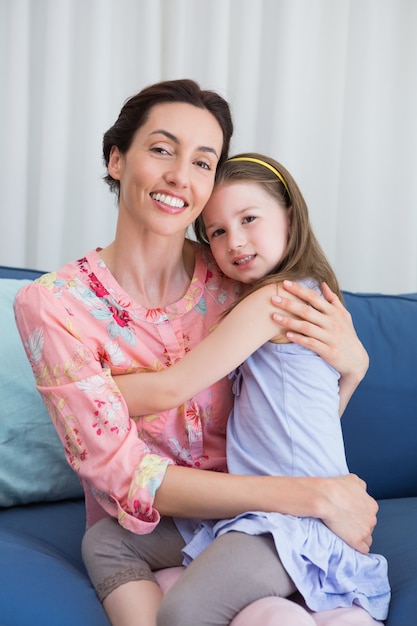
[{"x": 311, "y": 283}]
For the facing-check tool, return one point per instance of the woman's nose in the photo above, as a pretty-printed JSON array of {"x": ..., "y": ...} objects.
[{"x": 178, "y": 173}]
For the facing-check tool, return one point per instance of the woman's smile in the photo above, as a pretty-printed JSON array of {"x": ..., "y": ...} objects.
[{"x": 167, "y": 200}]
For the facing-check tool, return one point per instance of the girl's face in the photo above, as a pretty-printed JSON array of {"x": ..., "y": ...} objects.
[
  {"x": 167, "y": 175},
  {"x": 247, "y": 229}
]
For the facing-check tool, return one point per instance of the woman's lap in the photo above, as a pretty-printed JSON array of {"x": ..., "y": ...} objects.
[{"x": 225, "y": 573}]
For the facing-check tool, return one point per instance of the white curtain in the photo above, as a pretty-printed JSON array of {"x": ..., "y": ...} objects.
[{"x": 327, "y": 87}]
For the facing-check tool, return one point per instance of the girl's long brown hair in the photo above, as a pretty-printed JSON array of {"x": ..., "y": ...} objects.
[{"x": 303, "y": 257}]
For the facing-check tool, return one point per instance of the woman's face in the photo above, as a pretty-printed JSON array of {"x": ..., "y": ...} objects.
[
  {"x": 167, "y": 175},
  {"x": 247, "y": 230}
]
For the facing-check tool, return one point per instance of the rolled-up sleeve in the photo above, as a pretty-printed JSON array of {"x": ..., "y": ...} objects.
[{"x": 90, "y": 415}]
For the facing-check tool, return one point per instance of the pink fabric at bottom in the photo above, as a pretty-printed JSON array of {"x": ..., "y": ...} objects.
[
  {"x": 267, "y": 610},
  {"x": 272, "y": 611},
  {"x": 167, "y": 577},
  {"x": 353, "y": 616}
]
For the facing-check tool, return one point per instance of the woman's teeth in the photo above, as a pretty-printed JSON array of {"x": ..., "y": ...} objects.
[{"x": 170, "y": 200}]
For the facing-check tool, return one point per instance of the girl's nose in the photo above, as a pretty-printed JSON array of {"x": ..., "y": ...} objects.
[{"x": 236, "y": 241}]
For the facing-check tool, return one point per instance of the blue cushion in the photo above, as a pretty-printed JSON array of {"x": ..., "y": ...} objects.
[
  {"x": 7, "y": 271},
  {"x": 395, "y": 537},
  {"x": 42, "y": 578},
  {"x": 379, "y": 424},
  {"x": 33, "y": 467}
]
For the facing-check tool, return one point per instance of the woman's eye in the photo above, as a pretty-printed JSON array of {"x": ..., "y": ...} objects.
[
  {"x": 203, "y": 165},
  {"x": 248, "y": 219},
  {"x": 159, "y": 150}
]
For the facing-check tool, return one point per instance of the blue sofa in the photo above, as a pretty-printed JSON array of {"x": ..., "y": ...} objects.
[{"x": 42, "y": 577}]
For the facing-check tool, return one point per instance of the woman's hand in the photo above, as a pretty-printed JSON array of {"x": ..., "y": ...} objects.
[
  {"x": 351, "y": 510},
  {"x": 325, "y": 326}
]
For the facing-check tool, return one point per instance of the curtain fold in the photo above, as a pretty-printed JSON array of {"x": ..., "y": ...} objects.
[{"x": 327, "y": 88}]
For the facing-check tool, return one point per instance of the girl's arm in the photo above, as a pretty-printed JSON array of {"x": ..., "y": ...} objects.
[
  {"x": 249, "y": 325},
  {"x": 325, "y": 326}
]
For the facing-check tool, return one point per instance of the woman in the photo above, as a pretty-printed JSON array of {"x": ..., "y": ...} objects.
[{"x": 152, "y": 294}]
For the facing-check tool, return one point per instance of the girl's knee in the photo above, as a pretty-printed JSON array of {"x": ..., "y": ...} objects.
[
  {"x": 184, "y": 605},
  {"x": 269, "y": 611},
  {"x": 173, "y": 611}
]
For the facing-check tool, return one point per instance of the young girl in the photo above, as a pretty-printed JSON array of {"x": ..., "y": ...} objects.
[{"x": 285, "y": 419}]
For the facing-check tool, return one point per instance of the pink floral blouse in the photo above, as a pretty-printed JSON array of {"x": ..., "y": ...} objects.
[{"x": 80, "y": 330}]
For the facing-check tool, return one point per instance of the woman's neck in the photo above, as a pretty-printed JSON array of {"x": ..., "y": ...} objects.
[{"x": 156, "y": 273}]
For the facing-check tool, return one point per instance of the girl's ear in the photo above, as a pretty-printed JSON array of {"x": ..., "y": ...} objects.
[{"x": 115, "y": 163}]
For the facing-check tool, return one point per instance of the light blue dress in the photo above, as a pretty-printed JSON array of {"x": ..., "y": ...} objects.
[{"x": 285, "y": 421}]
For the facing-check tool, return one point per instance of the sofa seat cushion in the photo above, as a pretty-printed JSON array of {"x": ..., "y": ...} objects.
[
  {"x": 42, "y": 577},
  {"x": 395, "y": 537},
  {"x": 43, "y": 580}
]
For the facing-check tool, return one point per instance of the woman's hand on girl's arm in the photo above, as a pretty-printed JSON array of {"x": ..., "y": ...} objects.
[{"x": 325, "y": 326}]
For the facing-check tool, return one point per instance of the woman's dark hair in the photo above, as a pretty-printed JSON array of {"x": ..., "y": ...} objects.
[{"x": 135, "y": 113}]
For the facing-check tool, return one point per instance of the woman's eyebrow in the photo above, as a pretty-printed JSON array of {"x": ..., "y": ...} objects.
[
  {"x": 168, "y": 135},
  {"x": 174, "y": 138}
]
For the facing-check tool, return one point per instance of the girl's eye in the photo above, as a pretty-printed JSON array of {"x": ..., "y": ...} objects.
[
  {"x": 216, "y": 233},
  {"x": 248, "y": 219}
]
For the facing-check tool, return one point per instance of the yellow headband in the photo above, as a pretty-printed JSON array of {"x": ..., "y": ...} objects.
[{"x": 264, "y": 164}]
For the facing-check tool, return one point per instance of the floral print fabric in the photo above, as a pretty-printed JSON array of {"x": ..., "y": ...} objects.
[{"x": 80, "y": 330}]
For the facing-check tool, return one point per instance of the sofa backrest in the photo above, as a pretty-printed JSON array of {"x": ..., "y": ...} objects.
[
  {"x": 33, "y": 467},
  {"x": 380, "y": 422},
  {"x": 18, "y": 272}
]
